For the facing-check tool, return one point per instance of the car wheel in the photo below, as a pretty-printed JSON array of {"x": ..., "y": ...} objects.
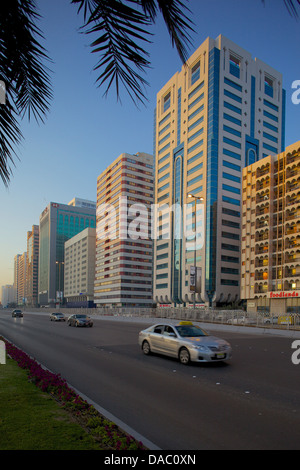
[
  {"x": 146, "y": 348},
  {"x": 184, "y": 356}
]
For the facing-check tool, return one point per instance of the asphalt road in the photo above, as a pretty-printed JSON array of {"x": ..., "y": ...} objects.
[{"x": 252, "y": 402}]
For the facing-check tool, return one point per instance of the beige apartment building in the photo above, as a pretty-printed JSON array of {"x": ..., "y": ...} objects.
[
  {"x": 20, "y": 262},
  {"x": 270, "y": 259},
  {"x": 32, "y": 265},
  {"x": 79, "y": 269},
  {"x": 123, "y": 272}
]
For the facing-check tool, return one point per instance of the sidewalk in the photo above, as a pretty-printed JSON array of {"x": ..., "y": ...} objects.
[{"x": 250, "y": 329}]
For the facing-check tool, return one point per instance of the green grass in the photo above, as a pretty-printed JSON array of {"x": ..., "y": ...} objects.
[{"x": 33, "y": 420}]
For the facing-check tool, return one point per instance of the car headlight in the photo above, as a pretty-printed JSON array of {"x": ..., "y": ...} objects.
[{"x": 201, "y": 348}]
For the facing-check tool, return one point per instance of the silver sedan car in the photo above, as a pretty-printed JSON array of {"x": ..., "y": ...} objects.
[
  {"x": 57, "y": 316},
  {"x": 185, "y": 341}
]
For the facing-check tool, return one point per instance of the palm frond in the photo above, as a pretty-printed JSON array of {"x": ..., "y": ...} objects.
[
  {"x": 10, "y": 137},
  {"x": 291, "y": 6},
  {"x": 121, "y": 33},
  {"x": 26, "y": 78},
  {"x": 179, "y": 25}
]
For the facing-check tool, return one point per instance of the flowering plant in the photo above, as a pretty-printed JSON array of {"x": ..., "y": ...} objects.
[{"x": 109, "y": 435}]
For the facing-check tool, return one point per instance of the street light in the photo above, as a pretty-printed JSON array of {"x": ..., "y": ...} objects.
[{"x": 190, "y": 195}]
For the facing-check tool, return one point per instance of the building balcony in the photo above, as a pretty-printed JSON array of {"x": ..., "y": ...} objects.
[
  {"x": 262, "y": 249},
  {"x": 261, "y": 275},
  {"x": 261, "y": 262},
  {"x": 261, "y": 287},
  {"x": 292, "y": 201},
  {"x": 291, "y": 215},
  {"x": 292, "y": 244},
  {"x": 260, "y": 237},
  {"x": 292, "y": 284},
  {"x": 262, "y": 211},
  {"x": 262, "y": 197},
  {"x": 292, "y": 159},
  {"x": 292, "y": 270},
  {"x": 262, "y": 223},
  {"x": 263, "y": 171},
  {"x": 263, "y": 184},
  {"x": 293, "y": 186},
  {"x": 291, "y": 229},
  {"x": 294, "y": 259}
]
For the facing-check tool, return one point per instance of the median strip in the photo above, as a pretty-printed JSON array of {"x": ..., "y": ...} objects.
[{"x": 106, "y": 433}]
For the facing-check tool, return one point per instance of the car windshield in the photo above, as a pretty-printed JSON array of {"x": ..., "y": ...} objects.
[
  {"x": 81, "y": 316},
  {"x": 190, "y": 331}
]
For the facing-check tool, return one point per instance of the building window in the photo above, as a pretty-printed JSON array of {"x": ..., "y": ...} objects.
[
  {"x": 195, "y": 73},
  {"x": 167, "y": 101},
  {"x": 234, "y": 65},
  {"x": 269, "y": 86}
]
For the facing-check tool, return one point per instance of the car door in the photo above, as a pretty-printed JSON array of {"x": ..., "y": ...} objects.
[
  {"x": 170, "y": 341},
  {"x": 157, "y": 339}
]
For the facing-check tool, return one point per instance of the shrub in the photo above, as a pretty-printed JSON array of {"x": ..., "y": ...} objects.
[{"x": 101, "y": 428}]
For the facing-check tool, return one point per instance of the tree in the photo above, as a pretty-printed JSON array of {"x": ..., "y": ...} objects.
[{"x": 121, "y": 29}]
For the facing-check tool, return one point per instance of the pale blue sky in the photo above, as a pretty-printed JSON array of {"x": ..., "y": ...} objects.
[{"x": 85, "y": 132}]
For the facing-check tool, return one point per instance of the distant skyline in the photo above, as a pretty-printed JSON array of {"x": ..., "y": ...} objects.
[{"x": 84, "y": 132}]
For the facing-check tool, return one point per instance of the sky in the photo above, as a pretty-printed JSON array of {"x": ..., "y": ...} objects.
[{"x": 84, "y": 132}]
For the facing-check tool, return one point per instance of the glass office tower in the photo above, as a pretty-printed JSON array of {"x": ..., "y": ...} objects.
[
  {"x": 58, "y": 223},
  {"x": 224, "y": 110}
]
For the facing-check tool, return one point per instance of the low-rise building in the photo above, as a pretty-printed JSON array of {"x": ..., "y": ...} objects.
[{"x": 80, "y": 269}]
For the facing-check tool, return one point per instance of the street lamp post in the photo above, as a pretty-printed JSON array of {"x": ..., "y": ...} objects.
[
  {"x": 195, "y": 249},
  {"x": 59, "y": 263}
]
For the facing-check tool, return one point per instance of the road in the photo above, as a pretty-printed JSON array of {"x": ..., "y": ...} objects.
[{"x": 253, "y": 402}]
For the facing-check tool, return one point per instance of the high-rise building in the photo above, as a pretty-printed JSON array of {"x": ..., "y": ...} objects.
[
  {"x": 224, "y": 110},
  {"x": 270, "y": 259},
  {"x": 21, "y": 274},
  {"x": 79, "y": 269},
  {"x": 76, "y": 201},
  {"x": 8, "y": 295},
  {"x": 16, "y": 276},
  {"x": 32, "y": 264},
  {"x": 123, "y": 273},
  {"x": 58, "y": 223}
]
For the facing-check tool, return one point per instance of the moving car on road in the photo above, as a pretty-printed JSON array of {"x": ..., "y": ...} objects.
[
  {"x": 185, "y": 341},
  {"x": 79, "y": 320},
  {"x": 57, "y": 316},
  {"x": 17, "y": 313}
]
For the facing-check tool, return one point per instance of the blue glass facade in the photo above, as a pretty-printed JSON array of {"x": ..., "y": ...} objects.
[
  {"x": 283, "y": 120},
  {"x": 212, "y": 171},
  {"x": 177, "y": 255}
]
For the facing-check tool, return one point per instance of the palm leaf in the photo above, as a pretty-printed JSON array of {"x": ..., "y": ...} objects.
[
  {"x": 291, "y": 6},
  {"x": 177, "y": 22},
  {"x": 121, "y": 33},
  {"x": 26, "y": 78}
]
